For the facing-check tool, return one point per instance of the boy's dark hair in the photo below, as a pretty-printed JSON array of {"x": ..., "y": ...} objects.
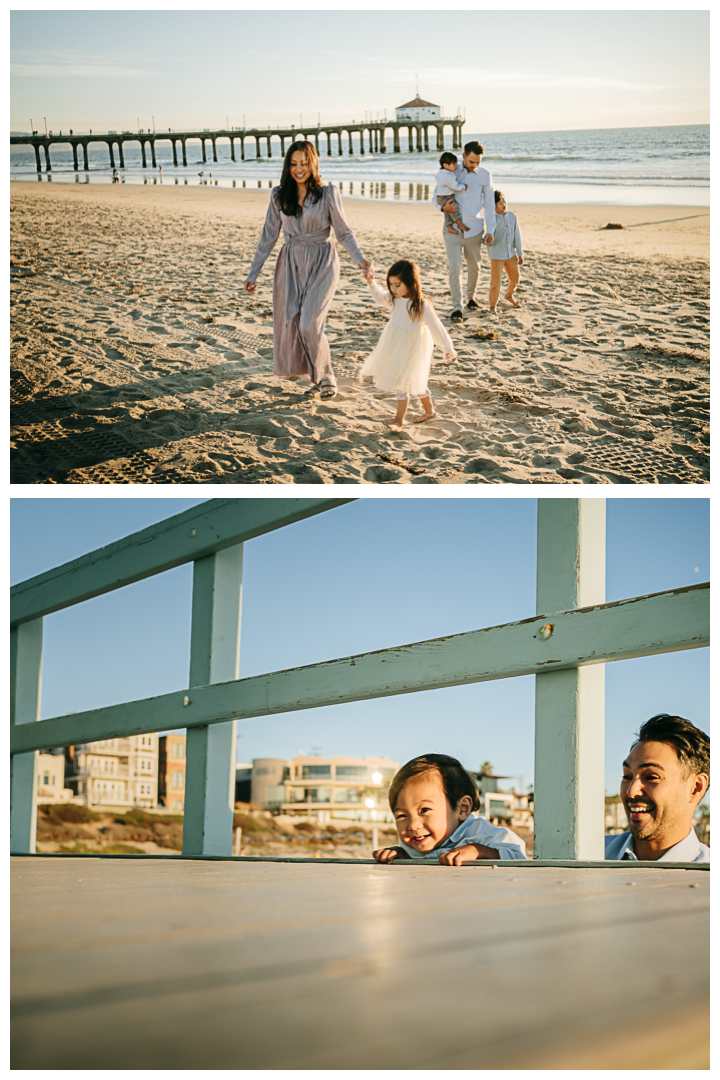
[
  {"x": 498, "y": 196},
  {"x": 691, "y": 745},
  {"x": 447, "y": 158},
  {"x": 455, "y": 779},
  {"x": 474, "y": 147}
]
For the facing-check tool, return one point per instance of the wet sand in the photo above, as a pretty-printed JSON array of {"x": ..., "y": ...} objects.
[{"x": 137, "y": 358}]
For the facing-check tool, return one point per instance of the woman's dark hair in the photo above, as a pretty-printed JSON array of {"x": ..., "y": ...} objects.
[
  {"x": 455, "y": 779},
  {"x": 447, "y": 158},
  {"x": 409, "y": 274},
  {"x": 474, "y": 148},
  {"x": 691, "y": 745},
  {"x": 498, "y": 196},
  {"x": 288, "y": 187}
]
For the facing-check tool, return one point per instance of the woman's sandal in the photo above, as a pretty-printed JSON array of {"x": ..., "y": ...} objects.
[
  {"x": 312, "y": 391},
  {"x": 327, "y": 389}
]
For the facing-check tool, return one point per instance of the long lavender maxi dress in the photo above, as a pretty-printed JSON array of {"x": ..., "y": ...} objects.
[{"x": 306, "y": 277}]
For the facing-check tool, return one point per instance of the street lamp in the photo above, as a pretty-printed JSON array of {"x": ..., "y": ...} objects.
[
  {"x": 227, "y": 124},
  {"x": 153, "y": 120},
  {"x": 45, "y": 119},
  {"x": 138, "y": 120}
]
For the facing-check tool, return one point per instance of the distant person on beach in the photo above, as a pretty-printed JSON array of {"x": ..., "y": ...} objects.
[
  {"x": 307, "y": 269},
  {"x": 665, "y": 776},
  {"x": 401, "y": 359},
  {"x": 477, "y": 200},
  {"x": 506, "y": 253},
  {"x": 115, "y": 176},
  {"x": 435, "y": 801},
  {"x": 446, "y": 187}
]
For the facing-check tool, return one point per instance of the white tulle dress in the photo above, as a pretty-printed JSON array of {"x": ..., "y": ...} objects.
[{"x": 401, "y": 359}]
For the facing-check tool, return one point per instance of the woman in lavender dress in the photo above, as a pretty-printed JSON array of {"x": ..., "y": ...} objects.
[{"x": 307, "y": 269}]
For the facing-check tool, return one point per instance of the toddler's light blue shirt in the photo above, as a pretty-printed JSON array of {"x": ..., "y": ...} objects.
[{"x": 476, "y": 830}]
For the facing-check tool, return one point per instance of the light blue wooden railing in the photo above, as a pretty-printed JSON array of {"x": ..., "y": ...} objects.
[{"x": 565, "y": 645}]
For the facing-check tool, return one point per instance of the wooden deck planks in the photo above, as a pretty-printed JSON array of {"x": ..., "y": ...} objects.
[{"x": 128, "y": 964}]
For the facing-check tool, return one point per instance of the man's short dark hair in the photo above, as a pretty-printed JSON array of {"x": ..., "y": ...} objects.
[
  {"x": 691, "y": 745},
  {"x": 474, "y": 147},
  {"x": 455, "y": 779},
  {"x": 447, "y": 158}
]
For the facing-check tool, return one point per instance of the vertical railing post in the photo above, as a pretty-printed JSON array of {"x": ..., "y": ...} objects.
[
  {"x": 570, "y": 704},
  {"x": 25, "y": 675},
  {"x": 214, "y": 648}
]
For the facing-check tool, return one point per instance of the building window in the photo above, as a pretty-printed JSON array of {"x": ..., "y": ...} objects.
[
  {"x": 351, "y": 772},
  {"x": 178, "y": 779},
  {"x": 178, "y": 750},
  {"x": 347, "y": 795},
  {"x": 315, "y": 772},
  {"x": 46, "y": 779}
]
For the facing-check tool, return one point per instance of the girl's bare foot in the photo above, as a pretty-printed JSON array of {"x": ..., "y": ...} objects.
[
  {"x": 394, "y": 425},
  {"x": 511, "y": 300},
  {"x": 425, "y": 416},
  {"x": 493, "y": 311}
]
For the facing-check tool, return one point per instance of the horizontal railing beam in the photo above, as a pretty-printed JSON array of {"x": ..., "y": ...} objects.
[
  {"x": 641, "y": 626},
  {"x": 200, "y": 531}
]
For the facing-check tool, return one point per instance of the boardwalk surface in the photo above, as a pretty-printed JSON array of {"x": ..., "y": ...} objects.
[{"x": 164, "y": 964}]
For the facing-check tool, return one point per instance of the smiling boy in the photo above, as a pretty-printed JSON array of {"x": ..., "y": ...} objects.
[
  {"x": 433, "y": 799},
  {"x": 666, "y": 774}
]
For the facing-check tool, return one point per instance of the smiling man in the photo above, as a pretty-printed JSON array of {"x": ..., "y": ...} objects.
[{"x": 666, "y": 774}]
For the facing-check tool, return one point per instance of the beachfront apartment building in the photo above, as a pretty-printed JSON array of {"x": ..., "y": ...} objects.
[
  {"x": 51, "y": 778},
  {"x": 114, "y": 772},
  {"x": 324, "y": 788},
  {"x": 171, "y": 771}
]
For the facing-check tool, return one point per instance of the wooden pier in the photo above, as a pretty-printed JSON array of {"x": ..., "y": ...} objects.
[
  {"x": 372, "y": 138},
  {"x": 162, "y": 963}
]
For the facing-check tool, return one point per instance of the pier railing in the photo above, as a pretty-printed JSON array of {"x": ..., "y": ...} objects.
[{"x": 565, "y": 645}]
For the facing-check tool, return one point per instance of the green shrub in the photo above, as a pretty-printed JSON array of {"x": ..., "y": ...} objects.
[
  {"x": 70, "y": 812},
  {"x": 122, "y": 849}
]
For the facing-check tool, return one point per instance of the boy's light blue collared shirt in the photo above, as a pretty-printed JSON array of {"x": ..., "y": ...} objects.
[
  {"x": 620, "y": 846},
  {"x": 476, "y": 830}
]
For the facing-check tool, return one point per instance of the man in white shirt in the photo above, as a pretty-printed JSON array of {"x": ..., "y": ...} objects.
[
  {"x": 477, "y": 200},
  {"x": 665, "y": 776}
]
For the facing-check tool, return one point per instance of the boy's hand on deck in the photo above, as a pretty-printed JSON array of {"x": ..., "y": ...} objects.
[
  {"x": 468, "y": 853},
  {"x": 388, "y": 854}
]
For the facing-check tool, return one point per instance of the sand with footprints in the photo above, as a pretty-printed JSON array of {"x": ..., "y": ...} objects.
[{"x": 138, "y": 359}]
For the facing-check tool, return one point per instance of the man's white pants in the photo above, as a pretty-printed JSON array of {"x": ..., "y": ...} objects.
[{"x": 455, "y": 247}]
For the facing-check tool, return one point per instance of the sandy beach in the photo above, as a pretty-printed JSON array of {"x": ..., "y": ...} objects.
[{"x": 137, "y": 358}]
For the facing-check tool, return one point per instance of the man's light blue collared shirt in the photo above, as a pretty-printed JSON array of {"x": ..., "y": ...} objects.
[{"x": 620, "y": 846}]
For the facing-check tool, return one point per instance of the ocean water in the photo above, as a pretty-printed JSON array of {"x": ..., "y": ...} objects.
[{"x": 615, "y": 166}]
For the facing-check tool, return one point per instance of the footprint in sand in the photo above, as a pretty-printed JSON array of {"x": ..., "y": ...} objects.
[{"x": 113, "y": 354}]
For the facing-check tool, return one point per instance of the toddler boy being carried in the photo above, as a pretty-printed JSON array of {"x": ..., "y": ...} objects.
[{"x": 446, "y": 189}]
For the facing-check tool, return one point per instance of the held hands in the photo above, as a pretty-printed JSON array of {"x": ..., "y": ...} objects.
[
  {"x": 368, "y": 272},
  {"x": 451, "y": 357},
  {"x": 388, "y": 854},
  {"x": 489, "y": 239},
  {"x": 249, "y": 286}
]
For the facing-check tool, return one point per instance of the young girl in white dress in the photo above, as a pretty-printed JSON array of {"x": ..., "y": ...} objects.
[{"x": 401, "y": 359}]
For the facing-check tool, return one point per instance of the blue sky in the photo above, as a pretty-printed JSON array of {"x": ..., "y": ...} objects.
[
  {"x": 523, "y": 70},
  {"x": 372, "y": 574}
]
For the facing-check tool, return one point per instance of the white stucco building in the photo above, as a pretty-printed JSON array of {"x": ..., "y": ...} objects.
[{"x": 418, "y": 109}]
